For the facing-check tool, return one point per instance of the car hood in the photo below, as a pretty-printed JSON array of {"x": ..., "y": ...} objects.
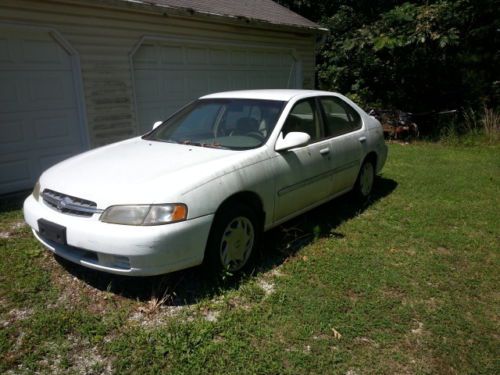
[{"x": 139, "y": 171}]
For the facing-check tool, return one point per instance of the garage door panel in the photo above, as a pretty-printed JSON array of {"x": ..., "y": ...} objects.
[
  {"x": 53, "y": 128},
  {"x": 277, "y": 79},
  {"x": 54, "y": 89},
  {"x": 28, "y": 91},
  {"x": 54, "y": 133},
  {"x": 266, "y": 59},
  {"x": 146, "y": 56},
  {"x": 220, "y": 57},
  {"x": 8, "y": 91},
  {"x": 14, "y": 171},
  {"x": 44, "y": 52},
  {"x": 170, "y": 74},
  {"x": 219, "y": 81},
  {"x": 11, "y": 131},
  {"x": 147, "y": 85},
  {"x": 172, "y": 55},
  {"x": 197, "y": 56},
  {"x": 48, "y": 160},
  {"x": 239, "y": 80},
  {"x": 150, "y": 113},
  {"x": 197, "y": 84},
  {"x": 39, "y": 114},
  {"x": 174, "y": 86},
  {"x": 257, "y": 80},
  {"x": 239, "y": 57},
  {"x": 50, "y": 129},
  {"x": 5, "y": 55},
  {"x": 170, "y": 108}
]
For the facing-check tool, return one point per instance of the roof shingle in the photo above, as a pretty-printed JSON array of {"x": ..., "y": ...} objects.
[{"x": 258, "y": 10}]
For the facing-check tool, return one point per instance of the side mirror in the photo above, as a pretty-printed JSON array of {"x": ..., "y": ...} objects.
[
  {"x": 156, "y": 124},
  {"x": 292, "y": 140}
]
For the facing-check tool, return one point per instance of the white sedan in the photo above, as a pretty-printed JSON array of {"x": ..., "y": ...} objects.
[{"x": 203, "y": 185}]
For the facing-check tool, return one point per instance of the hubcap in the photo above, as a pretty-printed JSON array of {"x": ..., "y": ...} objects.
[
  {"x": 366, "y": 179},
  {"x": 237, "y": 243}
]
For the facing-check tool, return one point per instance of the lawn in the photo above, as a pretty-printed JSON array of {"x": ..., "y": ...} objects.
[{"x": 407, "y": 284}]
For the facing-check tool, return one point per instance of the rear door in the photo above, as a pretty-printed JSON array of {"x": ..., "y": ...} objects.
[{"x": 347, "y": 141}]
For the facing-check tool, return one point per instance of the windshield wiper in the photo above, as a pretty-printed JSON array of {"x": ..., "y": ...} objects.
[
  {"x": 190, "y": 143},
  {"x": 214, "y": 145}
]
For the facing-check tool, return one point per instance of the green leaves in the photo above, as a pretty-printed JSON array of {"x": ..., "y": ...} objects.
[{"x": 414, "y": 56}]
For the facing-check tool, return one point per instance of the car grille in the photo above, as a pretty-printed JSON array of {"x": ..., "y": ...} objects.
[{"x": 69, "y": 205}]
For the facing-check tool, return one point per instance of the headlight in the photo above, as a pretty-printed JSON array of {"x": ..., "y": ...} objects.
[
  {"x": 36, "y": 191},
  {"x": 145, "y": 214}
]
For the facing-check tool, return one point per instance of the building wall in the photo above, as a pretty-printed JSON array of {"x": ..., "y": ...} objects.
[{"x": 104, "y": 36}]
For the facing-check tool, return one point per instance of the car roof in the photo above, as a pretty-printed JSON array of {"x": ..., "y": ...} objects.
[{"x": 267, "y": 94}]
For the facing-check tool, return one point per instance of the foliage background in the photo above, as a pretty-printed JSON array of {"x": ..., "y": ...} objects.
[{"x": 418, "y": 56}]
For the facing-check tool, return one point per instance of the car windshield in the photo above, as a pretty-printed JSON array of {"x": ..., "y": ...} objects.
[{"x": 236, "y": 124}]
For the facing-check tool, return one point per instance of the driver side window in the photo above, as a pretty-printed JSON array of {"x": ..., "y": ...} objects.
[{"x": 303, "y": 118}]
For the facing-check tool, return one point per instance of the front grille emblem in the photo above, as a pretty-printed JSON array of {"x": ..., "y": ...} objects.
[{"x": 63, "y": 203}]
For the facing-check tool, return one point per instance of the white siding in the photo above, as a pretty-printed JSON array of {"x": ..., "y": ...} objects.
[{"x": 105, "y": 37}]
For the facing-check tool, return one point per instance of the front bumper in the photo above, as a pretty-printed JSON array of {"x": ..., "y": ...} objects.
[{"x": 123, "y": 249}]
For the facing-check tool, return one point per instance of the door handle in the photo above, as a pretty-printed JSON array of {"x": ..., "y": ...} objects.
[
  {"x": 362, "y": 139},
  {"x": 324, "y": 151}
]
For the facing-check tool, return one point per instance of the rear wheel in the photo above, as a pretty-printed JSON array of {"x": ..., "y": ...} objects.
[
  {"x": 365, "y": 181},
  {"x": 233, "y": 238}
]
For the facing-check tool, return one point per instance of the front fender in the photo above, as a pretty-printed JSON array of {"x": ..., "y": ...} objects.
[{"x": 256, "y": 178}]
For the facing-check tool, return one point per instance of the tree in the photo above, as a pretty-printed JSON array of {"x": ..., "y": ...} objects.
[{"x": 413, "y": 55}]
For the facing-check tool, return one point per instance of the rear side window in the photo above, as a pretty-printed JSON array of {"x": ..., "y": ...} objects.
[
  {"x": 340, "y": 117},
  {"x": 303, "y": 118}
]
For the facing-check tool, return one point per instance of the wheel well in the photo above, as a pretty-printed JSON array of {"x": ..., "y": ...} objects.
[
  {"x": 247, "y": 198},
  {"x": 372, "y": 156}
]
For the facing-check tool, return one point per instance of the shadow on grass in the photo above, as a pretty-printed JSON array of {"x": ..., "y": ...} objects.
[{"x": 189, "y": 286}]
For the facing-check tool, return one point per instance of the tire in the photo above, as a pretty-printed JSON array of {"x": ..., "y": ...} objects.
[
  {"x": 233, "y": 238},
  {"x": 364, "y": 183}
]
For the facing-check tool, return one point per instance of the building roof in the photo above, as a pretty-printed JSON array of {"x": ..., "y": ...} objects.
[{"x": 262, "y": 11}]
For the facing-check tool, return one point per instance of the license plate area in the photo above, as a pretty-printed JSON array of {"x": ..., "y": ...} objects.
[{"x": 52, "y": 231}]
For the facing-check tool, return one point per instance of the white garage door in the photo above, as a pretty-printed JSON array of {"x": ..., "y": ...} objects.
[
  {"x": 39, "y": 116},
  {"x": 168, "y": 75}
]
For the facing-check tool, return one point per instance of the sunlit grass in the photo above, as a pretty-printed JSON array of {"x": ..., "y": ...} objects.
[{"x": 408, "y": 284}]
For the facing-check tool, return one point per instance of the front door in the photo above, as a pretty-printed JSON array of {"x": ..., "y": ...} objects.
[{"x": 303, "y": 174}]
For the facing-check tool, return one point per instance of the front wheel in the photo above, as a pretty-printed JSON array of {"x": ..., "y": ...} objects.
[
  {"x": 364, "y": 183},
  {"x": 232, "y": 240}
]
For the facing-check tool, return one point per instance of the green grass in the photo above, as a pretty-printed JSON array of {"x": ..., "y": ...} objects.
[{"x": 407, "y": 284}]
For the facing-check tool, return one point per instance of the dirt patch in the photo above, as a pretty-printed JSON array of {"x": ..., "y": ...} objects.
[
  {"x": 211, "y": 315},
  {"x": 353, "y": 296},
  {"x": 393, "y": 293},
  {"x": 267, "y": 287},
  {"x": 275, "y": 272},
  {"x": 362, "y": 341},
  {"x": 419, "y": 330},
  {"x": 16, "y": 315},
  {"x": 14, "y": 230},
  {"x": 82, "y": 358},
  {"x": 90, "y": 361},
  {"x": 239, "y": 303},
  {"x": 443, "y": 251},
  {"x": 158, "y": 317}
]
